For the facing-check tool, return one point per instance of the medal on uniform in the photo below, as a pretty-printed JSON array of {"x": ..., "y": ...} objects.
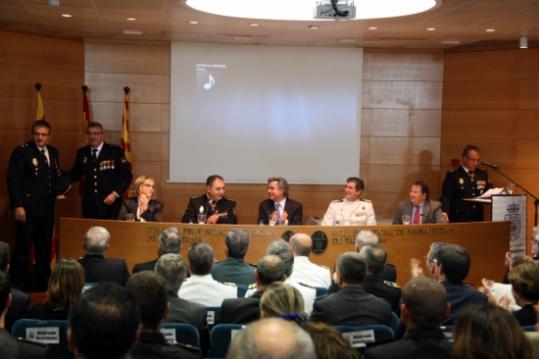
[
  {"x": 34, "y": 162},
  {"x": 461, "y": 181},
  {"x": 84, "y": 160}
]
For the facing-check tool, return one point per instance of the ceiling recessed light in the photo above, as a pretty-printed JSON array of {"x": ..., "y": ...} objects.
[
  {"x": 314, "y": 27},
  {"x": 253, "y": 24},
  {"x": 523, "y": 43},
  {"x": 131, "y": 19},
  {"x": 67, "y": 16},
  {"x": 133, "y": 32},
  {"x": 490, "y": 30},
  {"x": 372, "y": 28},
  {"x": 431, "y": 29},
  {"x": 193, "y": 22}
]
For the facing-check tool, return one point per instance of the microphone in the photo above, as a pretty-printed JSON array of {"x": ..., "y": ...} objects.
[{"x": 491, "y": 165}]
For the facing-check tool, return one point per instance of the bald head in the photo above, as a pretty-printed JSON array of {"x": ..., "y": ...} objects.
[
  {"x": 301, "y": 244},
  {"x": 424, "y": 303},
  {"x": 272, "y": 338}
]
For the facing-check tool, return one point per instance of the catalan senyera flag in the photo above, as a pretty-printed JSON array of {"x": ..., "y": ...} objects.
[
  {"x": 40, "y": 109},
  {"x": 124, "y": 140}
]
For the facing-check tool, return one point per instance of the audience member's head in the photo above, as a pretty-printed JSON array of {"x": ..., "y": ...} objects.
[
  {"x": 489, "y": 331},
  {"x": 301, "y": 244},
  {"x": 237, "y": 243},
  {"x": 272, "y": 338},
  {"x": 65, "y": 284},
  {"x": 424, "y": 303},
  {"x": 172, "y": 268},
  {"x": 170, "y": 241},
  {"x": 281, "y": 300},
  {"x": 448, "y": 262},
  {"x": 350, "y": 270},
  {"x": 150, "y": 293},
  {"x": 4, "y": 256},
  {"x": 282, "y": 249},
  {"x": 366, "y": 238},
  {"x": 104, "y": 322},
  {"x": 200, "y": 258},
  {"x": 524, "y": 279},
  {"x": 329, "y": 342},
  {"x": 96, "y": 241},
  {"x": 374, "y": 257},
  {"x": 269, "y": 269}
]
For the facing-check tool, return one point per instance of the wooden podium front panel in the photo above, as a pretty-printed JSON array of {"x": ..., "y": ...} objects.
[{"x": 137, "y": 242}]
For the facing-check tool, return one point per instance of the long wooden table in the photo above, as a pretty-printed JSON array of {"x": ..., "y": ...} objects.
[{"x": 137, "y": 242}]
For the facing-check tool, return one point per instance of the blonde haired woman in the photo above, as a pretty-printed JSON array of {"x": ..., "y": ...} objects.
[
  {"x": 142, "y": 207},
  {"x": 282, "y": 301}
]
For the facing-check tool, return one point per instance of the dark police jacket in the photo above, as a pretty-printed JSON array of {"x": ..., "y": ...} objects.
[{"x": 224, "y": 205}]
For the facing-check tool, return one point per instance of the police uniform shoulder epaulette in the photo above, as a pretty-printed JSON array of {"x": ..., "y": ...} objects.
[
  {"x": 196, "y": 196},
  {"x": 391, "y": 284},
  {"x": 306, "y": 285},
  {"x": 230, "y": 284},
  {"x": 24, "y": 145},
  {"x": 337, "y": 201},
  {"x": 365, "y": 200}
]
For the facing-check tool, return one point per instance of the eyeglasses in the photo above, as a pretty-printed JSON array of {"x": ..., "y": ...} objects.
[{"x": 148, "y": 185}]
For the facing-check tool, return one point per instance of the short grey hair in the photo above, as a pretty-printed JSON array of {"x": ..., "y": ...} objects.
[
  {"x": 366, "y": 238},
  {"x": 374, "y": 257},
  {"x": 237, "y": 242},
  {"x": 272, "y": 338},
  {"x": 270, "y": 268},
  {"x": 282, "y": 249},
  {"x": 170, "y": 241},
  {"x": 173, "y": 269},
  {"x": 96, "y": 240},
  {"x": 282, "y": 183}
]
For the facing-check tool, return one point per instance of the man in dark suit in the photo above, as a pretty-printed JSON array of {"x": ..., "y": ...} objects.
[
  {"x": 424, "y": 306},
  {"x": 467, "y": 181},
  {"x": 105, "y": 172},
  {"x": 170, "y": 241},
  {"x": 32, "y": 176},
  {"x": 278, "y": 209},
  {"x": 419, "y": 208},
  {"x": 351, "y": 305},
  {"x": 269, "y": 269},
  {"x": 234, "y": 269},
  {"x": 174, "y": 270},
  {"x": 97, "y": 268},
  {"x": 214, "y": 205}
]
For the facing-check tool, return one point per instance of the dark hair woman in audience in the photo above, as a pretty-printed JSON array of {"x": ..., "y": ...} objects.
[
  {"x": 65, "y": 287},
  {"x": 329, "y": 342},
  {"x": 488, "y": 331},
  {"x": 524, "y": 279},
  {"x": 142, "y": 207},
  {"x": 282, "y": 301}
]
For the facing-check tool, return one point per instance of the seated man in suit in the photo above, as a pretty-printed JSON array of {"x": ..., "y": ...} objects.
[
  {"x": 269, "y": 269},
  {"x": 234, "y": 269},
  {"x": 419, "y": 208},
  {"x": 170, "y": 241},
  {"x": 278, "y": 209},
  {"x": 174, "y": 270},
  {"x": 150, "y": 294},
  {"x": 200, "y": 287},
  {"x": 306, "y": 271},
  {"x": 375, "y": 259},
  {"x": 351, "y": 305},
  {"x": 368, "y": 238},
  {"x": 97, "y": 268},
  {"x": 142, "y": 207},
  {"x": 424, "y": 306}
]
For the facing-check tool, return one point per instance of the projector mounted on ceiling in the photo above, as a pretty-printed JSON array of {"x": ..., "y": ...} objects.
[{"x": 335, "y": 9}]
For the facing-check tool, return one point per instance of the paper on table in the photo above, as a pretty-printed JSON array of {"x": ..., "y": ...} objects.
[{"x": 486, "y": 197}]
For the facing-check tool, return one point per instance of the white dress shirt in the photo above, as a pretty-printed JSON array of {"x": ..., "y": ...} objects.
[
  {"x": 205, "y": 290},
  {"x": 311, "y": 274}
]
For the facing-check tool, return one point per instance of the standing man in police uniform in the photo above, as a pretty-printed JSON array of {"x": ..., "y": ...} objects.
[
  {"x": 32, "y": 177},
  {"x": 467, "y": 181},
  {"x": 106, "y": 175},
  {"x": 352, "y": 210},
  {"x": 217, "y": 207}
]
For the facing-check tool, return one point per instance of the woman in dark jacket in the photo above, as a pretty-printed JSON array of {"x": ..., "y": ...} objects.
[{"x": 142, "y": 207}]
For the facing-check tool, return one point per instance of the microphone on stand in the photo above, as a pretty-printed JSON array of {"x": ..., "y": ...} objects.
[{"x": 491, "y": 165}]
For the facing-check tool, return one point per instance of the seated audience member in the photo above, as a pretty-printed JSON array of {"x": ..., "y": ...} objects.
[
  {"x": 234, "y": 269},
  {"x": 375, "y": 259},
  {"x": 269, "y": 269},
  {"x": 20, "y": 301},
  {"x": 489, "y": 331},
  {"x": 306, "y": 271},
  {"x": 173, "y": 269},
  {"x": 281, "y": 248},
  {"x": 329, "y": 342},
  {"x": 97, "y": 268},
  {"x": 424, "y": 306},
  {"x": 150, "y": 294},
  {"x": 368, "y": 238},
  {"x": 351, "y": 305},
  {"x": 11, "y": 348},
  {"x": 200, "y": 287},
  {"x": 272, "y": 338},
  {"x": 283, "y": 301},
  {"x": 169, "y": 242},
  {"x": 103, "y": 323},
  {"x": 65, "y": 287},
  {"x": 278, "y": 208},
  {"x": 142, "y": 208},
  {"x": 450, "y": 264},
  {"x": 524, "y": 279},
  {"x": 419, "y": 208}
]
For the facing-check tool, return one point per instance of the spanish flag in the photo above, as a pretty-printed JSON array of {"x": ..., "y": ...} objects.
[
  {"x": 124, "y": 141},
  {"x": 40, "y": 109}
]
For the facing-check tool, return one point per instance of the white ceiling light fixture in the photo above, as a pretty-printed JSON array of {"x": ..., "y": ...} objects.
[
  {"x": 304, "y": 10},
  {"x": 67, "y": 16},
  {"x": 523, "y": 42},
  {"x": 131, "y": 19}
]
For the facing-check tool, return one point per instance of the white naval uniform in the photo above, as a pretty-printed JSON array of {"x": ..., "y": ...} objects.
[
  {"x": 347, "y": 213},
  {"x": 309, "y": 273},
  {"x": 205, "y": 290}
]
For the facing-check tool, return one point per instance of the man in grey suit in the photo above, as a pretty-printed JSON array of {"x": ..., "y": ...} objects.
[{"x": 419, "y": 208}]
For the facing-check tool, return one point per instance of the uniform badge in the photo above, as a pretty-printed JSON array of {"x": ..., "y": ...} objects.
[
  {"x": 34, "y": 161},
  {"x": 84, "y": 160},
  {"x": 461, "y": 181}
]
